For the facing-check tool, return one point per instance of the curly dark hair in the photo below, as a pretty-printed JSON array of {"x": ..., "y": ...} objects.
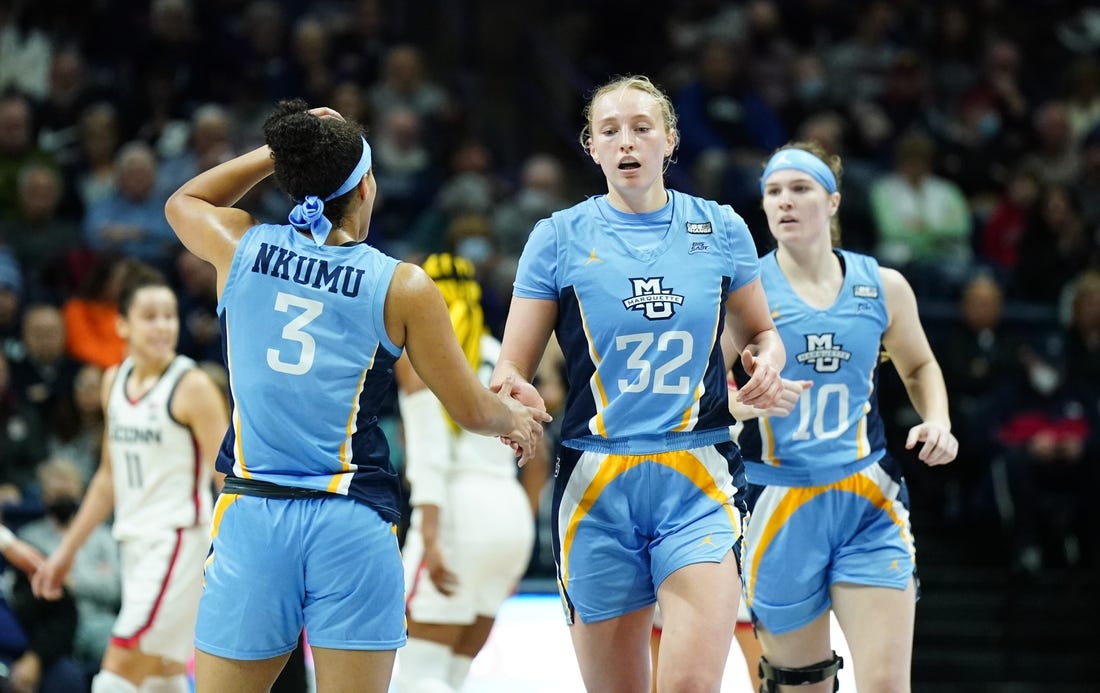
[{"x": 313, "y": 156}]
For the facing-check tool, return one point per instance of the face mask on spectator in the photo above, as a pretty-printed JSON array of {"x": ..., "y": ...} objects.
[
  {"x": 62, "y": 509},
  {"x": 1044, "y": 378}
]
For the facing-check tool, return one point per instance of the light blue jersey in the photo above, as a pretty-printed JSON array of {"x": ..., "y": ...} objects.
[
  {"x": 651, "y": 480},
  {"x": 303, "y": 326},
  {"x": 827, "y": 504},
  {"x": 835, "y": 429},
  {"x": 641, "y": 306}
]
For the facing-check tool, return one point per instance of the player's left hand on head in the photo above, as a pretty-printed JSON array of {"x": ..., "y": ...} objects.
[
  {"x": 940, "y": 445},
  {"x": 325, "y": 112}
]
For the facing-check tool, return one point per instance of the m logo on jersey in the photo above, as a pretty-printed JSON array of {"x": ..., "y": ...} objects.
[
  {"x": 657, "y": 302},
  {"x": 823, "y": 354}
]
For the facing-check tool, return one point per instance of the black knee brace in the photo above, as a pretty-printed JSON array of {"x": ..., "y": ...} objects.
[{"x": 772, "y": 677}]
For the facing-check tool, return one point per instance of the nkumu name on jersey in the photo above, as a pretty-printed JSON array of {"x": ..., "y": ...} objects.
[{"x": 288, "y": 265}]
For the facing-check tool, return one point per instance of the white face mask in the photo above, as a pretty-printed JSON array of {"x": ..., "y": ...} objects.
[{"x": 1044, "y": 378}]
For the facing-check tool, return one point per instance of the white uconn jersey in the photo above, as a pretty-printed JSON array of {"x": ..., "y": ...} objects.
[
  {"x": 160, "y": 481},
  {"x": 479, "y": 453}
]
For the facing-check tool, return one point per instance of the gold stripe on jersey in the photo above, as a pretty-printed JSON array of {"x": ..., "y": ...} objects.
[
  {"x": 862, "y": 444},
  {"x": 768, "y": 437},
  {"x": 597, "y": 384},
  {"x": 795, "y": 497},
  {"x": 224, "y": 501},
  {"x": 692, "y": 412},
  {"x": 339, "y": 481},
  {"x": 611, "y": 467},
  {"x": 220, "y": 506}
]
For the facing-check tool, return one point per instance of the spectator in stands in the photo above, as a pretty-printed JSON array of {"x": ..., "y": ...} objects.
[
  {"x": 999, "y": 243},
  {"x": 923, "y": 220},
  {"x": 131, "y": 218},
  {"x": 407, "y": 176},
  {"x": 94, "y": 582},
  {"x": 540, "y": 194},
  {"x": 1083, "y": 328},
  {"x": 1056, "y": 246},
  {"x": 209, "y": 142},
  {"x": 261, "y": 50},
  {"x": 17, "y": 148},
  {"x": 1082, "y": 96},
  {"x": 975, "y": 353},
  {"x": 11, "y": 297},
  {"x": 26, "y": 51},
  {"x": 811, "y": 92},
  {"x": 43, "y": 374},
  {"x": 91, "y": 317},
  {"x": 172, "y": 44},
  {"x": 724, "y": 122},
  {"x": 907, "y": 99},
  {"x": 75, "y": 430},
  {"x": 58, "y": 113},
  {"x": 859, "y": 62},
  {"x": 1055, "y": 152},
  {"x": 471, "y": 188},
  {"x": 404, "y": 83},
  {"x": 952, "y": 48},
  {"x": 200, "y": 329},
  {"x": 22, "y": 447},
  {"x": 310, "y": 72},
  {"x": 1046, "y": 429},
  {"x": 37, "y": 234},
  {"x": 359, "y": 43},
  {"x": 45, "y": 663},
  {"x": 93, "y": 172},
  {"x": 1088, "y": 183}
]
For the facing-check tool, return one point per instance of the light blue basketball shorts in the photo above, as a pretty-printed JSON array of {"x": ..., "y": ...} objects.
[
  {"x": 330, "y": 564},
  {"x": 799, "y": 541},
  {"x": 624, "y": 523}
]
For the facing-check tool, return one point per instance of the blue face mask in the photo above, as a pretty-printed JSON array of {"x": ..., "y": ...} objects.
[
  {"x": 476, "y": 249},
  {"x": 811, "y": 89},
  {"x": 989, "y": 125}
]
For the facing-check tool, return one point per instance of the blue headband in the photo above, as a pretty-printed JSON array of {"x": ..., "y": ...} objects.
[
  {"x": 310, "y": 212},
  {"x": 800, "y": 160}
]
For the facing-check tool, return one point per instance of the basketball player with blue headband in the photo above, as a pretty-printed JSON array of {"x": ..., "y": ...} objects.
[
  {"x": 313, "y": 320},
  {"x": 828, "y": 527},
  {"x": 800, "y": 160},
  {"x": 310, "y": 212}
]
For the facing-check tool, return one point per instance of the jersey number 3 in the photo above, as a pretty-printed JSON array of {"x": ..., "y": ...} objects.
[{"x": 293, "y": 332}]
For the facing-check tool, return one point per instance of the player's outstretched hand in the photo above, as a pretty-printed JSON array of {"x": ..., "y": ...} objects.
[
  {"x": 765, "y": 387},
  {"x": 47, "y": 581},
  {"x": 940, "y": 445},
  {"x": 792, "y": 391}
]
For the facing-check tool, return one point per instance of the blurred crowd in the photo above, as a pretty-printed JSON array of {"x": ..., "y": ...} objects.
[{"x": 969, "y": 131}]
